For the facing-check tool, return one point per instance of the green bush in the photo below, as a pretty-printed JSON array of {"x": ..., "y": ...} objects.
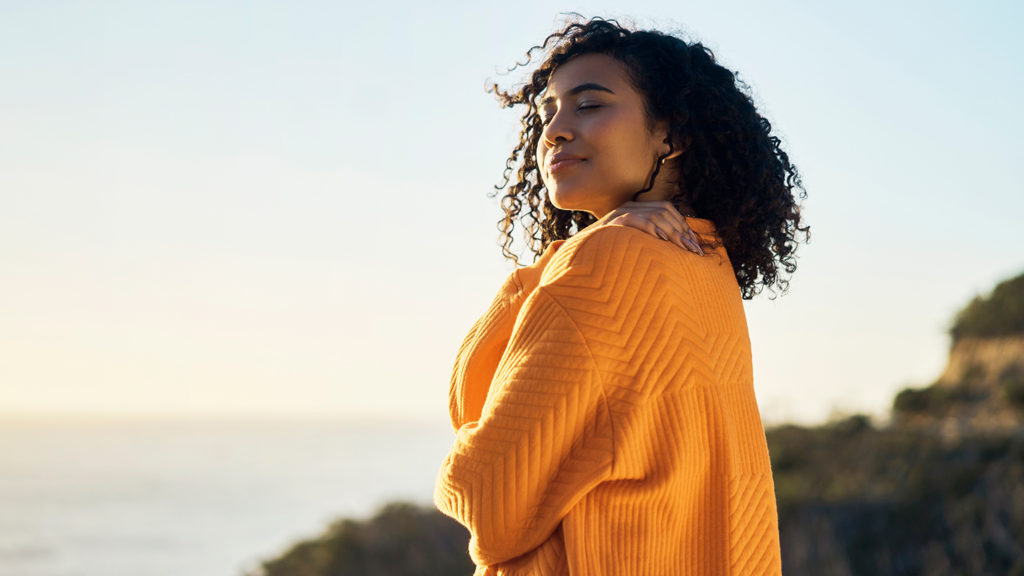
[
  {"x": 999, "y": 314},
  {"x": 402, "y": 539},
  {"x": 889, "y": 501},
  {"x": 974, "y": 376},
  {"x": 931, "y": 400},
  {"x": 935, "y": 400},
  {"x": 1011, "y": 382},
  {"x": 911, "y": 400}
]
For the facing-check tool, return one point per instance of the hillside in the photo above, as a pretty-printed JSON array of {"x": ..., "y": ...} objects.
[{"x": 982, "y": 388}]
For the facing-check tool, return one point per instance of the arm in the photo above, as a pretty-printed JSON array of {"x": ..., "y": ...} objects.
[
  {"x": 480, "y": 352},
  {"x": 485, "y": 344},
  {"x": 543, "y": 441}
]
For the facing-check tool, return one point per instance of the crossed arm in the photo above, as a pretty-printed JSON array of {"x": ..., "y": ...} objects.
[{"x": 543, "y": 441}]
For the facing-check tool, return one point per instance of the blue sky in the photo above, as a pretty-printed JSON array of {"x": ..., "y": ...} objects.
[{"x": 281, "y": 208}]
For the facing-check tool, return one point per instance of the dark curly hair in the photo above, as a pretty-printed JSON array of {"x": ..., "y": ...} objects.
[{"x": 732, "y": 172}]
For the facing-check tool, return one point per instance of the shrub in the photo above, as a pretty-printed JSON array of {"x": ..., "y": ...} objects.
[
  {"x": 1011, "y": 382},
  {"x": 402, "y": 539},
  {"x": 935, "y": 400},
  {"x": 999, "y": 314},
  {"x": 912, "y": 400}
]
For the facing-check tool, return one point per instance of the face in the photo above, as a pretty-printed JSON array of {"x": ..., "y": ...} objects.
[{"x": 595, "y": 151}]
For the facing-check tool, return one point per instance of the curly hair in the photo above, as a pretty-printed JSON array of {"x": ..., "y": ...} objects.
[{"x": 733, "y": 170}]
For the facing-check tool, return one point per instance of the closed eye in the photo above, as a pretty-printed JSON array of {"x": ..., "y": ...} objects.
[{"x": 544, "y": 121}]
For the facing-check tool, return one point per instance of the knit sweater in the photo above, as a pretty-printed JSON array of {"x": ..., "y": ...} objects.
[{"x": 605, "y": 418}]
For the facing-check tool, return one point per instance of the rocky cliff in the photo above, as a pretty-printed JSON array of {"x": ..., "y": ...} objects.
[{"x": 981, "y": 391}]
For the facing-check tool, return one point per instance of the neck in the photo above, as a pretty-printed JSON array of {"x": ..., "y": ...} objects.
[{"x": 664, "y": 192}]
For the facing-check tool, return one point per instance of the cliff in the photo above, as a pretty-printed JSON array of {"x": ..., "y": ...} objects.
[
  {"x": 981, "y": 391},
  {"x": 940, "y": 490}
]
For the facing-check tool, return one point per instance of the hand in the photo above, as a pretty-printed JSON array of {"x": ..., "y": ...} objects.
[{"x": 659, "y": 219}]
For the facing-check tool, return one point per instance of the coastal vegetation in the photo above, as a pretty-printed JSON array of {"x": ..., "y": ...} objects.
[
  {"x": 401, "y": 539},
  {"x": 1001, "y": 313},
  {"x": 855, "y": 499}
]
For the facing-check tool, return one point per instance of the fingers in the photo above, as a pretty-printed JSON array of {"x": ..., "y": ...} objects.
[
  {"x": 670, "y": 210},
  {"x": 689, "y": 238},
  {"x": 692, "y": 245},
  {"x": 659, "y": 225},
  {"x": 683, "y": 228},
  {"x": 660, "y": 219},
  {"x": 666, "y": 218},
  {"x": 668, "y": 227}
]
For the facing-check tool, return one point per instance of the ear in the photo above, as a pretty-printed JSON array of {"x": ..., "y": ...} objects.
[{"x": 677, "y": 149}]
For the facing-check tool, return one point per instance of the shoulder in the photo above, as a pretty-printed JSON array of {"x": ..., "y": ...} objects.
[
  {"x": 617, "y": 272},
  {"x": 608, "y": 253}
]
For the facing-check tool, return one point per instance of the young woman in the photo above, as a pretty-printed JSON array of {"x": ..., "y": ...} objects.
[{"x": 604, "y": 405}]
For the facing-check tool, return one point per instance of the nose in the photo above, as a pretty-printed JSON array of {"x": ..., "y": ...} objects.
[{"x": 557, "y": 130}]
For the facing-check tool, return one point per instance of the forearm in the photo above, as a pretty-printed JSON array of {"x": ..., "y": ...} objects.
[{"x": 543, "y": 440}]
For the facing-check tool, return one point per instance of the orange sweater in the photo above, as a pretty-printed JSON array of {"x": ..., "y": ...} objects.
[{"x": 605, "y": 418}]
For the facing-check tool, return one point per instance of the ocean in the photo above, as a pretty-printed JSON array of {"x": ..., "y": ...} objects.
[{"x": 196, "y": 497}]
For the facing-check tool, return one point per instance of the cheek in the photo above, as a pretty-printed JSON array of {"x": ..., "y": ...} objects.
[
  {"x": 626, "y": 159},
  {"x": 539, "y": 159},
  {"x": 623, "y": 143}
]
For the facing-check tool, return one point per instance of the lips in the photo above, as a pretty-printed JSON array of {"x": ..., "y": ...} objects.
[{"x": 562, "y": 161}]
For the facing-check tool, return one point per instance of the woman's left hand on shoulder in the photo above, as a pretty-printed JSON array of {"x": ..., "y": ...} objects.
[{"x": 658, "y": 218}]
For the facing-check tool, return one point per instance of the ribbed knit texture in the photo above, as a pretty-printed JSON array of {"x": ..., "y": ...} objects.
[{"x": 605, "y": 418}]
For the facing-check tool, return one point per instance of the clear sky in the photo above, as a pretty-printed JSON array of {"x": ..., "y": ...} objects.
[{"x": 281, "y": 207}]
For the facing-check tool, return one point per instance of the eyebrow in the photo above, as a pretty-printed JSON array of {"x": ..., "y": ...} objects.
[{"x": 577, "y": 90}]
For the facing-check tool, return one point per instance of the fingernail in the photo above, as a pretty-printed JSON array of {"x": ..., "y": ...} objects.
[{"x": 696, "y": 242}]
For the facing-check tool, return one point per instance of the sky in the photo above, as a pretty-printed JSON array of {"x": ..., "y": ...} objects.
[{"x": 282, "y": 208}]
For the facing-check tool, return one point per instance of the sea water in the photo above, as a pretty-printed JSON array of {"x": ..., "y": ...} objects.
[{"x": 195, "y": 497}]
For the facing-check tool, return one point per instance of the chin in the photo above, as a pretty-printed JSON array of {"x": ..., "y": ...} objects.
[{"x": 570, "y": 200}]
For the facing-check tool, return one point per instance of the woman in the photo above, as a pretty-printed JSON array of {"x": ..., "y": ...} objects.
[{"x": 604, "y": 406}]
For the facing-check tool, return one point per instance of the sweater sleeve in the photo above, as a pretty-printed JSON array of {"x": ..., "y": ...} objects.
[
  {"x": 542, "y": 442},
  {"x": 482, "y": 349},
  {"x": 480, "y": 353}
]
